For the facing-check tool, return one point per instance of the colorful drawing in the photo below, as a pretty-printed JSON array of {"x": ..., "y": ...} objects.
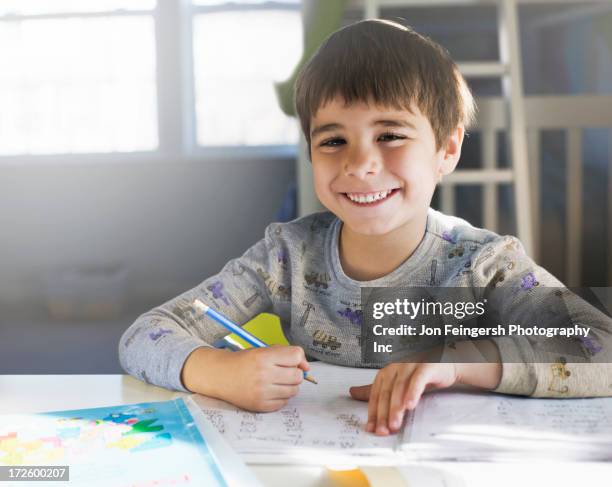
[
  {"x": 121, "y": 417},
  {"x": 141, "y": 444}
]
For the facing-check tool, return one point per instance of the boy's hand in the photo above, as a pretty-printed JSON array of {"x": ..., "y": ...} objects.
[
  {"x": 257, "y": 379},
  {"x": 264, "y": 379},
  {"x": 398, "y": 387}
]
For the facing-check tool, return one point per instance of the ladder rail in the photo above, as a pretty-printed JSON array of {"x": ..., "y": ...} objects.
[
  {"x": 510, "y": 53},
  {"x": 490, "y": 196},
  {"x": 573, "y": 254},
  {"x": 610, "y": 208}
]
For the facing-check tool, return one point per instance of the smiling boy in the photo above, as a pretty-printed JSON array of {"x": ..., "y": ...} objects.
[
  {"x": 376, "y": 169},
  {"x": 384, "y": 112}
]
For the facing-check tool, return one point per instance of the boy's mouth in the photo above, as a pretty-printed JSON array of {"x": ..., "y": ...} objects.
[{"x": 370, "y": 199}]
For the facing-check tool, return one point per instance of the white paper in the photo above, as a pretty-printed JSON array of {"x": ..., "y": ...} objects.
[
  {"x": 323, "y": 425},
  {"x": 479, "y": 426},
  {"x": 235, "y": 472},
  {"x": 320, "y": 421}
]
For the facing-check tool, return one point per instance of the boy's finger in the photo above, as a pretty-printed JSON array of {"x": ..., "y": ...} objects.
[
  {"x": 373, "y": 404},
  {"x": 303, "y": 363},
  {"x": 282, "y": 392},
  {"x": 289, "y": 356},
  {"x": 361, "y": 393},
  {"x": 416, "y": 387},
  {"x": 272, "y": 405},
  {"x": 290, "y": 376},
  {"x": 382, "y": 410},
  {"x": 397, "y": 404}
]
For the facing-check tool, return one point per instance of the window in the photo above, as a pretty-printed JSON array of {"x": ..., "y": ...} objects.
[
  {"x": 45, "y": 7},
  {"x": 117, "y": 76},
  {"x": 240, "y": 50},
  {"x": 77, "y": 81}
]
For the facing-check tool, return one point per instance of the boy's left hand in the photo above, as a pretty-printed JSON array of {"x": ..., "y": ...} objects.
[{"x": 398, "y": 387}]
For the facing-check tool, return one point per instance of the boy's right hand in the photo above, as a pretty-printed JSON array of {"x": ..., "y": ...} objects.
[
  {"x": 264, "y": 379},
  {"x": 257, "y": 379}
]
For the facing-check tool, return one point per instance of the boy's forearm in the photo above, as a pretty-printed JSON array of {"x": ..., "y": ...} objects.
[
  {"x": 485, "y": 375},
  {"x": 214, "y": 363},
  {"x": 486, "y": 371}
]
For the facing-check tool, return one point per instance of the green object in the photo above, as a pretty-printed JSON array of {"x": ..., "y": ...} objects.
[
  {"x": 144, "y": 426},
  {"x": 320, "y": 18},
  {"x": 266, "y": 327}
]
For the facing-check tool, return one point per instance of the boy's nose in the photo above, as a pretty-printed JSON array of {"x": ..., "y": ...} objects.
[{"x": 362, "y": 163}]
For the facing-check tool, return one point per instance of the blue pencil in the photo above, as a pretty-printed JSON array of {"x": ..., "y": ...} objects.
[{"x": 234, "y": 328}]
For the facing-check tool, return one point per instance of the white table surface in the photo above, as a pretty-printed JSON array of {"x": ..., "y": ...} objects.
[{"x": 37, "y": 393}]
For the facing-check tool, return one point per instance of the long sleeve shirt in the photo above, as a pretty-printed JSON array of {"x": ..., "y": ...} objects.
[{"x": 295, "y": 272}]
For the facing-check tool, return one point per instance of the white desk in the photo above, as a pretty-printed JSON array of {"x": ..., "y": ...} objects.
[{"x": 37, "y": 393}]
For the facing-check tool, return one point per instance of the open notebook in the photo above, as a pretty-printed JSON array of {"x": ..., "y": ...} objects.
[{"x": 324, "y": 425}]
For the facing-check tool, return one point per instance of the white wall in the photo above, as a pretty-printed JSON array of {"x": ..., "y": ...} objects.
[{"x": 171, "y": 223}]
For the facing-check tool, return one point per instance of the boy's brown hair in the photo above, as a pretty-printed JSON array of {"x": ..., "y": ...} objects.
[{"x": 391, "y": 65}]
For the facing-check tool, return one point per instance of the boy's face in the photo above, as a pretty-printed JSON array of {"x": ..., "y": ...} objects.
[{"x": 376, "y": 167}]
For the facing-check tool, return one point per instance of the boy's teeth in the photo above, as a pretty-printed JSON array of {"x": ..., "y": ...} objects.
[{"x": 369, "y": 197}]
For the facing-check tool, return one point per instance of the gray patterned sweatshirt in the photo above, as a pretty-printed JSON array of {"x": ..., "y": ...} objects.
[{"x": 295, "y": 273}]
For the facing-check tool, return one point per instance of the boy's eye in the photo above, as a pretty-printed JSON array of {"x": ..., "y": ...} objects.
[
  {"x": 390, "y": 137},
  {"x": 339, "y": 141},
  {"x": 333, "y": 142}
]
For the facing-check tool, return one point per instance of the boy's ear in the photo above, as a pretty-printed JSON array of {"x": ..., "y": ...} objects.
[{"x": 451, "y": 152}]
